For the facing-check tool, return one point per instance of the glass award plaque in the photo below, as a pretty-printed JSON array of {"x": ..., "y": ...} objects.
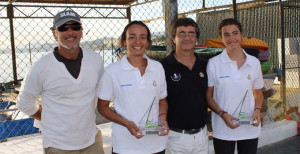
[
  {"x": 243, "y": 119},
  {"x": 151, "y": 129},
  {"x": 149, "y": 122},
  {"x": 242, "y": 112}
]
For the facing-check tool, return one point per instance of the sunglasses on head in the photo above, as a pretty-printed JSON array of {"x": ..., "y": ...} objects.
[{"x": 65, "y": 27}]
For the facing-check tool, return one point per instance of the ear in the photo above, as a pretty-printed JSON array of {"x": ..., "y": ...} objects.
[
  {"x": 54, "y": 34},
  {"x": 148, "y": 44},
  {"x": 173, "y": 39},
  {"x": 124, "y": 43},
  {"x": 81, "y": 34},
  {"x": 222, "y": 41}
]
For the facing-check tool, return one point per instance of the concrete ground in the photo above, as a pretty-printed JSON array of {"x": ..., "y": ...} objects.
[
  {"x": 275, "y": 138},
  {"x": 290, "y": 145}
]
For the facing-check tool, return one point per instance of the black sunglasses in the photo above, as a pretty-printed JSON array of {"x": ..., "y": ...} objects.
[{"x": 65, "y": 27}]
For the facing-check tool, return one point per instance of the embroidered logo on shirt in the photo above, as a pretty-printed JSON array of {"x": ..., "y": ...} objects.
[
  {"x": 126, "y": 85},
  {"x": 176, "y": 77},
  {"x": 201, "y": 74},
  {"x": 224, "y": 77},
  {"x": 249, "y": 77},
  {"x": 154, "y": 83}
]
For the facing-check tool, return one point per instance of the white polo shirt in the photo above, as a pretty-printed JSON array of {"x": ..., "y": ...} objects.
[
  {"x": 133, "y": 95},
  {"x": 230, "y": 86}
]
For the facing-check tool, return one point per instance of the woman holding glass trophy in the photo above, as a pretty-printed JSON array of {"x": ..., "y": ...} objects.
[
  {"x": 137, "y": 86},
  {"x": 234, "y": 93}
]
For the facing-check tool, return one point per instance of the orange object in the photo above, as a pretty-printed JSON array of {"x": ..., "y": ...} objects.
[
  {"x": 247, "y": 42},
  {"x": 202, "y": 45}
]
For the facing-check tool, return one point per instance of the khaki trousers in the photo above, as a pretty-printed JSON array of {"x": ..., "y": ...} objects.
[{"x": 96, "y": 148}]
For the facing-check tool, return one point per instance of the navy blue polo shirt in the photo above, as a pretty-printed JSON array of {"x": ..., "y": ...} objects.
[{"x": 186, "y": 93}]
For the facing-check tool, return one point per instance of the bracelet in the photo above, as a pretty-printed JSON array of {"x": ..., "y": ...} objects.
[
  {"x": 257, "y": 108},
  {"x": 162, "y": 114},
  {"x": 221, "y": 113}
]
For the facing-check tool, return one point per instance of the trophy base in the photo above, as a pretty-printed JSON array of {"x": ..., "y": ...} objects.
[
  {"x": 152, "y": 131},
  {"x": 243, "y": 119},
  {"x": 245, "y": 122},
  {"x": 250, "y": 122}
]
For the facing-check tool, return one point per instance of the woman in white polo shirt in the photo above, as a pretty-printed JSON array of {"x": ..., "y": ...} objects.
[
  {"x": 234, "y": 93},
  {"x": 137, "y": 86}
]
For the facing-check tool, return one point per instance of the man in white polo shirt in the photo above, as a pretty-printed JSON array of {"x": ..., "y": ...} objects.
[{"x": 66, "y": 79}]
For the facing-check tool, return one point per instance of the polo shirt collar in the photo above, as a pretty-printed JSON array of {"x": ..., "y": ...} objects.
[
  {"x": 225, "y": 58},
  {"x": 127, "y": 66},
  {"x": 172, "y": 60}
]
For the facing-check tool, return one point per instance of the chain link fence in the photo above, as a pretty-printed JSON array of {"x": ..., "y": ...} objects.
[{"x": 26, "y": 37}]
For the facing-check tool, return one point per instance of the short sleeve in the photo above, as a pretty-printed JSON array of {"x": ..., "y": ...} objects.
[
  {"x": 101, "y": 70},
  {"x": 105, "y": 90},
  {"x": 163, "y": 90},
  {"x": 210, "y": 75},
  {"x": 258, "y": 82}
]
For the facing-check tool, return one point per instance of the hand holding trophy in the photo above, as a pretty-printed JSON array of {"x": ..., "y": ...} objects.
[{"x": 152, "y": 126}]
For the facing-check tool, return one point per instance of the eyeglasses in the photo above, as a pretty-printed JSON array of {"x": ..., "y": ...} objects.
[
  {"x": 65, "y": 27},
  {"x": 183, "y": 35}
]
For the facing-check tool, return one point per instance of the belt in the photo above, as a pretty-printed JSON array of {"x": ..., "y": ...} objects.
[{"x": 190, "y": 131}]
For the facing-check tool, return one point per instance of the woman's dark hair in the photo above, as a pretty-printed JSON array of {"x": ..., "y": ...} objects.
[
  {"x": 123, "y": 36},
  {"x": 229, "y": 21},
  {"x": 185, "y": 22}
]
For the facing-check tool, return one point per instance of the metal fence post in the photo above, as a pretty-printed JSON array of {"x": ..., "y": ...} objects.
[
  {"x": 234, "y": 9},
  {"x": 283, "y": 78},
  {"x": 171, "y": 15},
  {"x": 128, "y": 13},
  {"x": 10, "y": 15}
]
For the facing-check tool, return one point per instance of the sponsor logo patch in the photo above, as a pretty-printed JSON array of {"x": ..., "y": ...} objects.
[
  {"x": 126, "y": 85},
  {"x": 176, "y": 77},
  {"x": 154, "y": 83},
  {"x": 201, "y": 75},
  {"x": 249, "y": 77},
  {"x": 224, "y": 77}
]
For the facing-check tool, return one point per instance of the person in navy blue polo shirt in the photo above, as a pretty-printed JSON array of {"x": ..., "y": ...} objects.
[{"x": 186, "y": 85}]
